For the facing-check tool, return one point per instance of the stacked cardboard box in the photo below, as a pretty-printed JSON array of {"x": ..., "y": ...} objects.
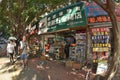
[
  {"x": 42, "y": 57},
  {"x": 69, "y": 63},
  {"x": 73, "y": 64}
]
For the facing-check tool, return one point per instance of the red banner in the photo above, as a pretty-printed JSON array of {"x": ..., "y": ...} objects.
[
  {"x": 99, "y": 30},
  {"x": 101, "y": 19}
]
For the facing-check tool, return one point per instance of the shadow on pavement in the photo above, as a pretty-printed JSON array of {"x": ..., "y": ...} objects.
[
  {"x": 30, "y": 74},
  {"x": 40, "y": 70},
  {"x": 8, "y": 67}
]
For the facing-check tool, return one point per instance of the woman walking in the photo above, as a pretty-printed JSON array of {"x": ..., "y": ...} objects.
[{"x": 10, "y": 51}]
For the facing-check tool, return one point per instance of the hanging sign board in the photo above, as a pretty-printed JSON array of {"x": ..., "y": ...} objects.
[
  {"x": 67, "y": 17},
  {"x": 95, "y": 14},
  {"x": 42, "y": 26}
]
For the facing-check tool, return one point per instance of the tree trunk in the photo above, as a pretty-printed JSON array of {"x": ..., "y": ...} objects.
[
  {"x": 89, "y": 56},
  {"x": 114, "y": 68}
]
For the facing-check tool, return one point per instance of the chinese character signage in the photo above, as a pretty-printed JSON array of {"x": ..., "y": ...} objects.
[
  {"x": 67, "y": 17},
  {"x": 95, "y": 14},
  {"x": 95, "y": 30}
]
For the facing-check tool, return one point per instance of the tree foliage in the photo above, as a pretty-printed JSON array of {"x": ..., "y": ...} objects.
[{"x": 18, "y": 14}]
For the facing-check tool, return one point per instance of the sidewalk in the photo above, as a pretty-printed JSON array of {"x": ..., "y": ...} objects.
[
  {"x": 38, "y": 70},
  {"x": 48, "y": 70},
  {"x": 54, "y": 70}
]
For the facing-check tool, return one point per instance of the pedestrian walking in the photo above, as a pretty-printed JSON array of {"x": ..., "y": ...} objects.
[
  {"x": 10, "y": 50},
  {"x": 24, "y": 51}
]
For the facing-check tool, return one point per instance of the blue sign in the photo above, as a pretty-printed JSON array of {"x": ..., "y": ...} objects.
[{"x": 92, "y": 9}]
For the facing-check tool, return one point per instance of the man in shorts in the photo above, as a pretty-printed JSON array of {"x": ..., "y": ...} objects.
[{"x": 24, "y": 53}]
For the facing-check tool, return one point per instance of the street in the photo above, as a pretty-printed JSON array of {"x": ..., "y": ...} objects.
[
  {"x": 37, "y": 70},
  {"x": 3, "y": 49}
]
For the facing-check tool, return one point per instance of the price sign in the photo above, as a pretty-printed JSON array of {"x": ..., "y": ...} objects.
[
  {"x": 94, "y": 30},
  {"x": 98, "y": 19}
]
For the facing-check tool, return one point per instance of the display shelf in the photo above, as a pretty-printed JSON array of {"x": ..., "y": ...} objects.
[
  {"x": 72, "y": 54},
  {"x": 100, "y": 42},
  {"x": 57, "y": 52},
  {"x": 77, "y": 53},
  {"x": 80, "y": 46}
]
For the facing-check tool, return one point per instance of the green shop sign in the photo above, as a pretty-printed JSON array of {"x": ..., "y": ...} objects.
[{"x": 67, "y": 17}]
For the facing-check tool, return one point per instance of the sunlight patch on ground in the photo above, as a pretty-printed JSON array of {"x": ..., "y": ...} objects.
[
  {"x": 10, "y": 75},
  {"x": 7, "y": 71},
  {"x": 4, "y": 60},
  {"x": 34, "y": 77},
  {"x": 49, "y": 78},
  {"x": 6, "y": 76}
]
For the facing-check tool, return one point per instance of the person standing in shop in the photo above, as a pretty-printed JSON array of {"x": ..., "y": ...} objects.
[
  {"x": 67, "y": 46},
  {"x": 10, "y": 50},
  {"x": 69, "y": 40}
]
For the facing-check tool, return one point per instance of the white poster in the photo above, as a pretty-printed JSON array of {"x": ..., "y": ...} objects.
[{"x": 102, "y": 67}]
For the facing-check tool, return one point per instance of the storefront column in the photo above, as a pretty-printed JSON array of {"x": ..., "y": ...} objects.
[
  {"x": 43, "y": 44},
  {"x": 88, "y": 51}
]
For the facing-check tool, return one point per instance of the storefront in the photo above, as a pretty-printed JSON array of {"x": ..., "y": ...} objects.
[
  {"x": 33, "y": 39},
  {"x": 69, "y": 26},
  {"x": 100, "y": 37},
  {"x": 100, "y": 31},
  {"x": 44, "y": 36}
]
